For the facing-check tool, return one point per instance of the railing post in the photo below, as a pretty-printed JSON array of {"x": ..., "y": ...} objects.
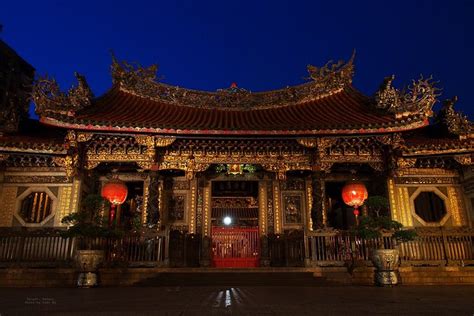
[
  {"x": 166, "y": 246},
  {"x": 264, "y": 252},
  {"x": 307, "y": 259},
  {"x": 205, "y": 260},
  {"x": 447, "y": 255},
  {"x": 21, "y": 248}
]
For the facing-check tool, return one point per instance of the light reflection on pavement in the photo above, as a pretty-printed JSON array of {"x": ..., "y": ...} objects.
[{"x": 257, "y": 300}]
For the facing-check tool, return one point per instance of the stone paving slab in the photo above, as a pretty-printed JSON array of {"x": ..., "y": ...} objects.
[{"x": 350, "y": 300}]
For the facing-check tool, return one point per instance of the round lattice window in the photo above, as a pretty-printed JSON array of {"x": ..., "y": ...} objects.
[
  {"x": 430, "y": 207},
  {"x": 35, "y": 207}
]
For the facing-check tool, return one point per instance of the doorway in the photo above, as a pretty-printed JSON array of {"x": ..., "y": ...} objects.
[{"x": 234, "y": 222}]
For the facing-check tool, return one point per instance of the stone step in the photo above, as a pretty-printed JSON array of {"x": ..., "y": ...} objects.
[{"x": 220, "y": 279}]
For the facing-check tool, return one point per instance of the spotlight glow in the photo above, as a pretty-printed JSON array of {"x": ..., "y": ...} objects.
[{"x": 227, "y": 220}]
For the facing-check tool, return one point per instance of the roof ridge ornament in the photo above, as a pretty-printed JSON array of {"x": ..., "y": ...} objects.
[
  {"x": 142, "y": 81},
  {"x": 337, "y": 75},
  {"x": 48, "y": 97},
  {"x": 455, "y": 122},
  {"x": 130, "y": 74},
  {"x": 234, "y": 89},
  {"x": 416, "y": 99}
]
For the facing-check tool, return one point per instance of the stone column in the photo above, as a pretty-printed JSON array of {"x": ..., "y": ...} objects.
[{"x": 318, "y": 210}]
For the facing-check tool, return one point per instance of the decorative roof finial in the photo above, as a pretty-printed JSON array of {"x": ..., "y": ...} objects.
[
  {"x": 455, "y": 122},
  {"x": 418, "y": 98},
  {"x": 48, "y": 97},
  {"x": 333, "y": 75},
  {"x": 128, "y": 75}
]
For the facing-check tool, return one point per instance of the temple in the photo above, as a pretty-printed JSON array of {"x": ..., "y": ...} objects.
[{"x": 225, "y": 174}]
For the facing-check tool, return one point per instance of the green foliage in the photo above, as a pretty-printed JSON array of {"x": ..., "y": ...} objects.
[
  {"x": 405, "y": 235},
  {"x": 87, "y": 222},
  {"x": 372, "y": 227},
  {"x": 377, "y": 205},
  {"x": 249, "y": 168},
  {"x": 221, "y": 168}
]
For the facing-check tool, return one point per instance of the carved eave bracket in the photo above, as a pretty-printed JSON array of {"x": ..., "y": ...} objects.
[
  {"x": 49, "y": 98},
  {"x": 308, "y": 142},
  {"x": 138, "y": 149},
  {"x": 464, "y": 160},
  {"x": 70, "y": 163},
  {"x": 279, "y": 168},
  {"x": 406, "y": 163},
  {"x": 455, "y": 122},
  {"x": 415, "y": 100},
  {"x": 3, "y": 157},
  {"x": 331, "y": 150}
]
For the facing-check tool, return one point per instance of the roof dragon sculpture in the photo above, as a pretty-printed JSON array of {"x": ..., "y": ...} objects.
[
  {"x": 49, "y": 98},
  {"x": 416, "y": 100}
]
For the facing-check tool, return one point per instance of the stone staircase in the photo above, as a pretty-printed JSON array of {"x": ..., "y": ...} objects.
[
  {"x": 437, "y": 275},
  {"x": 215, "y": 277},
  {"x": 317, "y": 276},
  {"x": 37, "y": 277}
]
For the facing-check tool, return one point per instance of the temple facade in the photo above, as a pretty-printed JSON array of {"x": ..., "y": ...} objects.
[{"x": 266, "y": 163}]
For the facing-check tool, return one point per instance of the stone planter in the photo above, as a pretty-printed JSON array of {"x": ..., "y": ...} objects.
[
  {"x": 386, "y": 264},
  {"x": 88, "y": 262}
]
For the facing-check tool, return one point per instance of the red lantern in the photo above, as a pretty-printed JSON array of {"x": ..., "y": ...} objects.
[
  {"x": 115, "y": 191},
  {"x": 354, "y": 194}
]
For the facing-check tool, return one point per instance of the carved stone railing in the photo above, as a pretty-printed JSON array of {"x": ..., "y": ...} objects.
[
  {"x": 286, "y": 250},
  {"x": 434, "y": 246},
  {"x": 184, "y": 249},
  {"x": 45, "y": 247},
  {"x": 35, "y": 247},
  {"x": 42, "y": 247}
]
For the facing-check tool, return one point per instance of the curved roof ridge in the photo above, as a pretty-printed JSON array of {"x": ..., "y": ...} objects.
[{"x": 143, "y": 81}]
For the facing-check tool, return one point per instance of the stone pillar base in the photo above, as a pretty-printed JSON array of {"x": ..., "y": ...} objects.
[
  {"x": 386, "y": 278},
  {"x": 87, "y": 279},
  {"x": 264, "y": 262}
]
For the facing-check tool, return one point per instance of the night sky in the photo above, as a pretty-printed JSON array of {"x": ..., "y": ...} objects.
[{"x": 260, "y": 45}]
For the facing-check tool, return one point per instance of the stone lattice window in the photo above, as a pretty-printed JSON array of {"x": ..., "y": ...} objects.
[
  {"x": 430, "y": 207},
  {"x": 35, "y": 207}
]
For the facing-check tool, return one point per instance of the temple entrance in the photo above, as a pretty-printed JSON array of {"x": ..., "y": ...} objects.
[{"x": 234, "y": 232}]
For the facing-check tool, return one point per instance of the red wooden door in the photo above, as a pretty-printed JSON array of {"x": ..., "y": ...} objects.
[{"x": 235, "y": 247}]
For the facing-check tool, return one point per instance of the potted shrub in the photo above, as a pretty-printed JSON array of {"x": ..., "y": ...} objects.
[
  {"x": 88, "y": 228},
  {"x": 372, "y": 228}
]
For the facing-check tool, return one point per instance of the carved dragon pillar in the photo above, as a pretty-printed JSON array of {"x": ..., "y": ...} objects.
[
  {"x": 318, "y": 206},
  {"x": 153, "y": 207}
]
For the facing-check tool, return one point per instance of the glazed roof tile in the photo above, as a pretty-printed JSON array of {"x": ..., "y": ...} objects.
[
  {"x": 33, "y": 136},
  {"x": 344, "y": 112}
]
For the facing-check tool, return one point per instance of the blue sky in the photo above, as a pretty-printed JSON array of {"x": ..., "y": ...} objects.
[{"x": 261, "y": 45}]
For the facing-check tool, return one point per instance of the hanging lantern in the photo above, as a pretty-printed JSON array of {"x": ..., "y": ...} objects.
[
  {"x": 114, "y": 191},
  {"x": 354, "y": 194}
]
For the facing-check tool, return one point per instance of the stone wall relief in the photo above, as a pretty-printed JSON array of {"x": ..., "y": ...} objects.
[{"x": 293, "y": 209}]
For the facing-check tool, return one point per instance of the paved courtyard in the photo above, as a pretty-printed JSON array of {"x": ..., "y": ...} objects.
[{"x": 261, "y": 300}]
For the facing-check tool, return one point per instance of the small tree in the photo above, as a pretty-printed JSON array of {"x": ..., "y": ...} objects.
[
  {"x": 377, "y": 205},
  {"x": 378, "y": 221},
  {"x": 88, "y": 223},
  {"x": 373, "y": 227}
]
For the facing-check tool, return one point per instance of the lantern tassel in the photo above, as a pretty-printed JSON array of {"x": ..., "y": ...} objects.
[
  {"x": 112, "y": 215},
  {"x": 356, "y": 214}
]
